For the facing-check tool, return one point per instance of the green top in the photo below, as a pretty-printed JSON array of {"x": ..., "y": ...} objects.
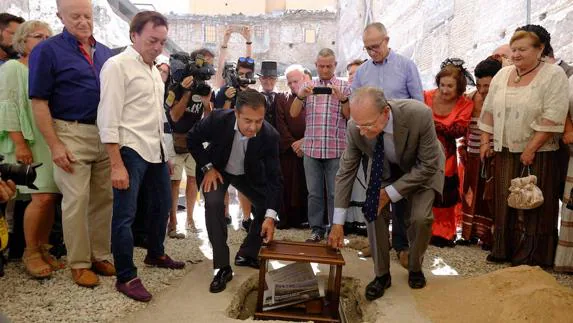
[{"x": 16, "y": 116}]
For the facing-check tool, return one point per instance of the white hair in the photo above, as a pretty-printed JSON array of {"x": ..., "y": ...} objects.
[{"x": 294, "y": 67}]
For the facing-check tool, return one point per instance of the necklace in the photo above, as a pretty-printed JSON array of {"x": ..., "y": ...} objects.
[{"x": 518, "y": 77}]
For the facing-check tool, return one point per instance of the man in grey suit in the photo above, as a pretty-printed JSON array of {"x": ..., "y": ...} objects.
[{"x": 406, "y": 162}]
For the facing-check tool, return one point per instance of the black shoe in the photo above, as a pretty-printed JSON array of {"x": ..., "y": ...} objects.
[
  {"x": 416, "y": 279},
  {"x": 360, "y": 229},
  {"x": 375, "y": 289},
  {"x": 220, "y": 280},
  {"x": 244, "y": 261},
  {"x": 486, "y": 247},
  {"x": 491, "y": 258},
  {"x": 315, "y": 237},
  {"x": 441, "y": 242},
  {"x": 246, "y": 224},
  {"x": 464, "y": 242},
  {"x": 349, "y": 228}
]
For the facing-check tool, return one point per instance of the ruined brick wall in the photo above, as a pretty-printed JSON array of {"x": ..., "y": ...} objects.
[
  {"x": 431, "y": 30},
  {"x": 275, "y": 37}
]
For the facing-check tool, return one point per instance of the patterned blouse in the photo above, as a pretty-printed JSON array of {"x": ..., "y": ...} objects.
[{"x": 544, "y": 98}]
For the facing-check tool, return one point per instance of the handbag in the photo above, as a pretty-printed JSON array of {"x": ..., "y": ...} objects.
[
  {"x": 180, "y": 143},
  {"x": 524, "y": 194}
]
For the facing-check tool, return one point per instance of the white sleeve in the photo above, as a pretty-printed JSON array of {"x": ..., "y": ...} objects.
[{"x": 111, "y": 103}]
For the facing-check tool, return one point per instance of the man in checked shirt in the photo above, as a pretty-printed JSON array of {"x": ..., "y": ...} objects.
[{"x": 324, "y": 138}]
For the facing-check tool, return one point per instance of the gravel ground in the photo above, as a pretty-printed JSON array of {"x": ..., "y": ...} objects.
[{"x": 59, "y": 300}]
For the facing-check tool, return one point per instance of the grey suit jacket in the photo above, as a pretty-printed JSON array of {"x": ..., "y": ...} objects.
[{"x": 420, "y": 153}]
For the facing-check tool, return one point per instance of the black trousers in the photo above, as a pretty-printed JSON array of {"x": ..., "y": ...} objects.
[{"x": 217, "y": 225}]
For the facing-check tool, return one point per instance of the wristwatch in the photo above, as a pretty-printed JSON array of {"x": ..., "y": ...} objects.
[{"x": 207, "y": 168}]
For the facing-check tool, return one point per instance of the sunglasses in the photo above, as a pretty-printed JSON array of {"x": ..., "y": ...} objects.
[
  {"x": 457, "y": 62},
  {"x": 247, "y": 60}
]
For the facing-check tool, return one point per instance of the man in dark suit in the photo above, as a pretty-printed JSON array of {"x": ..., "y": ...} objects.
[
  {"x": 406, "y": 161},
  {"x": 243, "y": 151}
]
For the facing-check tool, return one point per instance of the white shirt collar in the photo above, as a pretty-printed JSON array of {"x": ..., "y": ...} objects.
[{"x": 389, "y": 128}]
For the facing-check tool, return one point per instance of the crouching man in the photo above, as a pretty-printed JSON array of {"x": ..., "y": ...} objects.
[{"x": 406, "y": 162}]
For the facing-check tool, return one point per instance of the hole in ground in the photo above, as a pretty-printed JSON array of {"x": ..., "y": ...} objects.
[{"x": 244, "y": 303}]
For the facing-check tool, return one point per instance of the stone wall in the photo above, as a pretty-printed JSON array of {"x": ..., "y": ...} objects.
[
  {"x": 431, "y": 30},
  {"x": 109, "y": 28},
  {"x": 275, "y": 37},
  {"x": 428, "y": 31}
]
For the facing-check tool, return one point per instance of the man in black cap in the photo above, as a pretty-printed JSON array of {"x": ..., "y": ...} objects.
[{"x": 268, "y": 78}]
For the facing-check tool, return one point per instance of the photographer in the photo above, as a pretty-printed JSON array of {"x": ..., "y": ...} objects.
[
  {"x": 245, "y": 31},
  {"x": 237, "y": 79},
  {"x": 7, "y": 190},
  {"x": 185, "y": 108}
]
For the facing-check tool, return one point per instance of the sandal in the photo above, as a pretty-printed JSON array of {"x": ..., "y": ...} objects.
[
  {"x": 50, "y": 259},
  {"x": 35, "y": 265}
]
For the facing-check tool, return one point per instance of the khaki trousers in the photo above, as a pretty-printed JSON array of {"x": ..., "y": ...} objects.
[
  {"x": 87, "y": 195},
  {"x": 419, "y": 218}
]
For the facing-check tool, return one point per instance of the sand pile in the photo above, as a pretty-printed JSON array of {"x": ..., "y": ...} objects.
[{"x": 515, "y": 294}]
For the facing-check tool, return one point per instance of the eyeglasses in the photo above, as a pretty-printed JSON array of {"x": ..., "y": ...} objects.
[
  {"x": 39, "y": 36},
  {"x": 369, "y": 125},
  {"x": 247, "y": 60},
  {"x": 374, "y": 48}
]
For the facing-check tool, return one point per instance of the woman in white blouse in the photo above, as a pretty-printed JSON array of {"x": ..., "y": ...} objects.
[{"x": 524, "y": 111}]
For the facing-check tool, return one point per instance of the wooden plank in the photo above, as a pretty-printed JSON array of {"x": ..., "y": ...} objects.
[{"x": 302, "y": 252}]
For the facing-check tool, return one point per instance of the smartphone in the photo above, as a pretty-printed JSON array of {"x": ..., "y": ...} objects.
[{"x": 321, "y": 90}]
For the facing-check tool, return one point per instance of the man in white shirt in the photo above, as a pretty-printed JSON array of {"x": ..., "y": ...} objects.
[{"x": 130, "y": 121}]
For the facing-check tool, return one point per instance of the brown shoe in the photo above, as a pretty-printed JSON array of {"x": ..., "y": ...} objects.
[
  {"x": 403, "y": 256},
  {"x": 85, "y": 277},
  {"x": 103, "y": 268}
]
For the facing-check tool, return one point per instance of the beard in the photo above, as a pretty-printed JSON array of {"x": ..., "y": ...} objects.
[{"x": 9, "y": 50}]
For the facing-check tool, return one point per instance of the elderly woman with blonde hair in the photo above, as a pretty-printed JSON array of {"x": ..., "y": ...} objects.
[
  {"x": 22, "y": 142},
  {"x": 525, "y": 112}
]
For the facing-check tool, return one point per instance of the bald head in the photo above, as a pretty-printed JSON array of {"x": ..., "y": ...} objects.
[
  {"x": 369, "y": 110},
  {"x": 503, "y": 50},
  {"x": 376, "y": 26}
]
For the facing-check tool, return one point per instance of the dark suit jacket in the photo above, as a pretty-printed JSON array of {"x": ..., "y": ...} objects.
[
  {"x": 421, "y": 156},
  {"x": 262, "y": 166}
]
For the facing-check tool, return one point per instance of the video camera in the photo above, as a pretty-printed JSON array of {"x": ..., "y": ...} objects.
[
  {"x": 182, "y": 66},
  {"x": 20, "y": 174},
  {"x": 232, "y": 78}
]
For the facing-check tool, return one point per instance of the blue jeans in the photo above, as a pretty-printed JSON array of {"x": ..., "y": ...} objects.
[
  {"x": 151, "y": 179},
  {"x": 318, "y": 172}
]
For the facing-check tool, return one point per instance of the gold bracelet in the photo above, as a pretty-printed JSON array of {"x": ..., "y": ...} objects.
[{"x": 484, "y": 143}]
